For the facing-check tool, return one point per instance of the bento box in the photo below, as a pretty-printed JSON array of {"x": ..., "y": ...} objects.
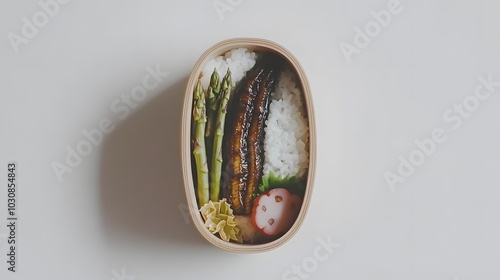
[{"x": 248, "y": 145}]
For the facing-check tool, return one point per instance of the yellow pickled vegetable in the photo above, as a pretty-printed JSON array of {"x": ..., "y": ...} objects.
[{"x": 219, "y": 218}]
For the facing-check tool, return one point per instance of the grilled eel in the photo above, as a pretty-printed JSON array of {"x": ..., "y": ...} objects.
[
  {"x": 242, "y": 150},
  {"x": 256, "y": 137}
]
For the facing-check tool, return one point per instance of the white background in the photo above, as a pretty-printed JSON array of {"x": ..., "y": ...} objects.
[{"x": 117, "y": 211}]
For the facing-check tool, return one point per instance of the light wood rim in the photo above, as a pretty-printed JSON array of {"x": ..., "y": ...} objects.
[{"x": 214, "y": 51}]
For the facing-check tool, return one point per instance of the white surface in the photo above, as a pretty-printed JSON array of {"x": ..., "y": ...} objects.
[{"x": 119, "y": 207}]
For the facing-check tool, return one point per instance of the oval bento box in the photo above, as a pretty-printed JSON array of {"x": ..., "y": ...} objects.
[{"x": 258, "y": 45}]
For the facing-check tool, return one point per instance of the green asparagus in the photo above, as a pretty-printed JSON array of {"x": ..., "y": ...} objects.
[
  {"x": 213, "y": 101},
  {"x": 200, "y": 156},
  {"x": 216, "y": 162}
]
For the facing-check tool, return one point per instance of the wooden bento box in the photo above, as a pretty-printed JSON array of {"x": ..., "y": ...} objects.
[{"x": 248, "y": 148}]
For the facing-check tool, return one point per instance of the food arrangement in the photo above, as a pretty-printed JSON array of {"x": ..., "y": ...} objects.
[{"x": 250, "y": 146}]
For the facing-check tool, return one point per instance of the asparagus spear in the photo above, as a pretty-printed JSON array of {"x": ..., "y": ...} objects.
[
  {"x": 213, "y": 101},
  {"x": 216, "y": 163},
  {"x": 200, "y": 156}
]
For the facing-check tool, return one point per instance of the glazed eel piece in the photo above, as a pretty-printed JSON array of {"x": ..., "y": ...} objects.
[
  {"x": 236, "y": 156},
  {"x": 256, "y": 134},
  {"x": 235, "y": 147}
]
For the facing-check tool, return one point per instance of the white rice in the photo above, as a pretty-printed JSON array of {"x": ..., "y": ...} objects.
[
  {"x": 238, "y": 60},
  {"x": 287, "y": 131}
]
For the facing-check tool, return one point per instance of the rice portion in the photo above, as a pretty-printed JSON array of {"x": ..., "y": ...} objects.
[
  {"x": 286, "y": 132},
  {"x": 239, "y": 61}
]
